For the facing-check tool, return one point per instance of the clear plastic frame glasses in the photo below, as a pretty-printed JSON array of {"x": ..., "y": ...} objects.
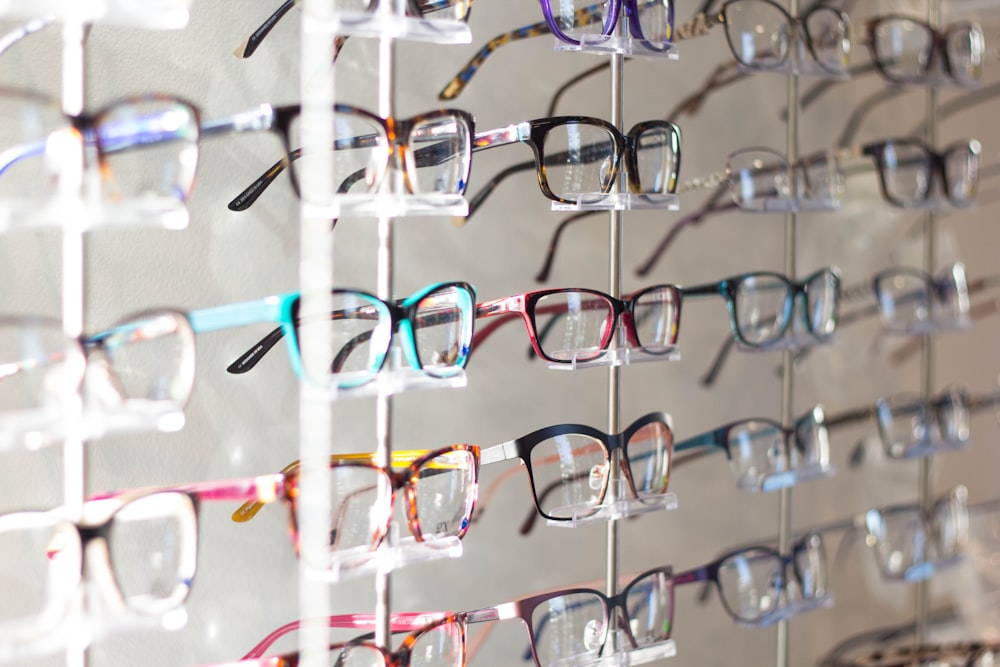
[
  {"x": 136, "y": 375},
  {"x": 436, "y": 324},
  {"x": 569, "y": 468},
  {"x": 145, "y": 149},
  {"x": 765, "y": 456},
  {"x": 906, "y": 50},
  {"x": 137, "y": 553},
  {"x": 911, "y": 544},
  {"x": 582, "y": 323},
  {"x": 759, "y": 586}
]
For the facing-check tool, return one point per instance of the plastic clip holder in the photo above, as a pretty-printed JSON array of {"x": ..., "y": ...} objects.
[
  {"x": 148, "y": 14},
  {"x": 57, "y": 210},
  {"x": 637, "y": 656},
  {"x": 625, "y": 45},
  {"x": 393, "y": 554},
  {"x": 619, "y": 356},
  {"x": 396, "y": 377},
  {"x": 390, "y": 20},
  {"x": 775, "y": 481},
  {"x": 389, "y": 205},
  {"x": 620, "y": 201},
  {"x": 794, "y": 608},
  {"x": 622, "y": 507}
]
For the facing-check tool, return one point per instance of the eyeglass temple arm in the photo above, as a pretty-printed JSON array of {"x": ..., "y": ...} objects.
[
  {"x": 550, "y": 253},
  {"x": 451, "y": 90},
  {"x": 711, "y": 207}
]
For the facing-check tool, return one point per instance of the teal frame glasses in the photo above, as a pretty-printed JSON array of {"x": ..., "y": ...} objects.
[{"x": 362, "y": 328}]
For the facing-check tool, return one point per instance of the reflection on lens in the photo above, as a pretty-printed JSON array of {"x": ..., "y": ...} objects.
[
  {"x": 758, "y": 33},
  {"x": 649, "y": 602},
  {"x": 576, "y": 18},
  {"x": 648, "y": 452},
  {"x": 751, "y": 583},
  {"x": 360, "y": 333},
  {"x": 757, "y": 449},
  {"x": 903, "y": 48},
  {"x": 442, "y": 328},
  {"x": 150, "y": 148},
  {"x": 152, "y": 544},
  {"x": 569, "y": 475},
  {"x": 580, "y": 158},
  {"x": 444, "y": 646},
  {"x": 656, "y": 315},
  {"x": 445, "y": 493},
  {"x": 440, "y": 153},
  {"x": 577, "y": 324},
  {"x": 829, "y": 38},
  {"x": 361, "y": 505},
  {"x": 569, "y": 626},
  {"x": 762, "y": 307}
]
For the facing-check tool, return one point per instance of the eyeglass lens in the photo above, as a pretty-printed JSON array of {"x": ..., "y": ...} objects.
[
  {"x": 570, "y": 471},
  {"x": 905, "y": 49},
  {"x": 568, "y": 627},
  {"x": 443, "y": 496}
]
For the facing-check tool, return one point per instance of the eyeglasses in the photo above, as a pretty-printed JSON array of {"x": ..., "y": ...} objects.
[
  {"x": 569, "y": 465},
  {"x": 145, "y": 147},
  {"x": 432, "y": 150},
  {"x": 578, "y": 158},
  {"x": 912, "y": 302},
  {"x": 763, "y": 36},
  {"x": 583, "y": 21},
  {"x": 956, "y": 654},
  {"x": 905, "y": 50},
  {"x": 909, "y": 543},
  {"x": 759, "y": 586},
  {"x": 766, "y": 456},
  {"x": 436, "y": 323},
  {"x": 912, "y": 175},
  {"x": 762, "y": 305},
  {"x": 439, "y": 486},
  {"x": 139, "y": 551},
  {"x": 583, "y": 322},
  {"x": 139, "y": 373},
  {"x": 435, "y": 11}
]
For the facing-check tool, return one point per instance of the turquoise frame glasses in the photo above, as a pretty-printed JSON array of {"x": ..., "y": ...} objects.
[{"x": 447, "y": 307}]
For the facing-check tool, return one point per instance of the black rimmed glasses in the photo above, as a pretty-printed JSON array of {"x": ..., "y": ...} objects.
[
  {"x": 910, "y": 543},
  {"x": 577, "y": 156},
  {"x": 569, "y": 465},
  {"x": 762, "y": 305},
  {"x": 139, "y": 551},
  {"x": 760, "y": 586},
  {"x": 906, "y": 50},
  {"x": 572, "y": 325},
  {"x": 432, "y": 150},
  {"x": 764, "y": 455}
]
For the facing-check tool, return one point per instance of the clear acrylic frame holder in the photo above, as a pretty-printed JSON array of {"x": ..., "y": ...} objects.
[
  {"x": 390, "y": 20},
  {"x": 796, "y": 608},
  {"x": 620, "y": 201},
  {"x": 396, "y": 377},
  {"x": 148, "y": 14},
  {"x": 393, "y": 554},
  {"x": 636, "y": 656},
  {"x": 768, "y": 482},
  {"x": 621, "y": 507}
]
